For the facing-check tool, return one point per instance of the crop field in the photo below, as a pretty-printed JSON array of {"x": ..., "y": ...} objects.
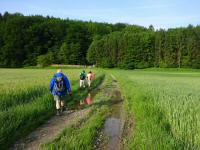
[
  {"x": 25, "y": 100},
  {"x": 163, "y": 104}
]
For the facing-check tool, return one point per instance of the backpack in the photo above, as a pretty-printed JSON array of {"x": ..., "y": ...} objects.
[
  {"x": 82, "y": 76},
  {"x": 60, "y": 84}
]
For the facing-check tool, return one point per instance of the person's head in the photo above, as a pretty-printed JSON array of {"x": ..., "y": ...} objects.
[
  {"x": 90, "y": 71},
  {"x": 59, "y": 70},
  {"x": 83, "y": 71}
]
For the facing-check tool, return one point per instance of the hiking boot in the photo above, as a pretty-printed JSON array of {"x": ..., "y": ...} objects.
[
  {"x": 63, "y": 109},
  {"x": 58, "y": 112}
]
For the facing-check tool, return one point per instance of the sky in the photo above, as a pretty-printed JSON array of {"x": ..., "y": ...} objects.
[{"x": 159, "y": 13}]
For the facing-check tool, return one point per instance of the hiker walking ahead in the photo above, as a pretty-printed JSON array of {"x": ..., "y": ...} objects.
[
  {"x": 89, "y": 78},
  {"x": 59, "y": 87},
  {"x": 82, "y": 79}
]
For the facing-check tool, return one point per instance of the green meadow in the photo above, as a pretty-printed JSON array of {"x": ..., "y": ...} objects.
[{"x": 165, "y": 106}]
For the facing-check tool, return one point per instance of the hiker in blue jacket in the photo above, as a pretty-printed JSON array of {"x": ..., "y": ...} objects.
[{"x": 59, "y": 87}]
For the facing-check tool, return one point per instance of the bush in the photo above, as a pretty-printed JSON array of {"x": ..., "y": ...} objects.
[{"x": 45, "y": 60}]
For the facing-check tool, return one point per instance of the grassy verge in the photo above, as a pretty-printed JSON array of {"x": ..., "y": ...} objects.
[{"x": 22, "y": 119}]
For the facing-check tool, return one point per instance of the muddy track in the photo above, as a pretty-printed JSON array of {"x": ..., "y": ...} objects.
[
  {"x": 50, "y": 130},
  {"x": 109, "y": 137}
]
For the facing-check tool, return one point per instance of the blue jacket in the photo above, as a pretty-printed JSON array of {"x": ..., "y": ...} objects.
[{"x": 52, "y": 85}]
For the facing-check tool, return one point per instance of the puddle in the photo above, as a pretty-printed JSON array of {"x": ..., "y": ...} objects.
[
  {"x": 88, "y": 100},
  {"x": 113, "y": 126},
  {"x": 113, "y": 132}
]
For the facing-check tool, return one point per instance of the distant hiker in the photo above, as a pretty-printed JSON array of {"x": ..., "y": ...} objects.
[
  {"x": 59, "y": 87},
  {"x": 89, "y": 78},
  {"x": 82, "y": 78}
]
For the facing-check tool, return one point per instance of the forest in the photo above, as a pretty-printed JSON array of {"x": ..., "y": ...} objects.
[{"x": 38, "y": 40}]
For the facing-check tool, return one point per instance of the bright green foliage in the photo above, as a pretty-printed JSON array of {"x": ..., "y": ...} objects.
[
  {"x": 45, "y": 60},
  {"x": 26, "y": 102},
  {"x": 131, "y": 48},
  {"x": 165, "y": 105}
]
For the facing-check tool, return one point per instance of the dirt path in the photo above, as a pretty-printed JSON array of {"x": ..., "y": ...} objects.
[
  {"x": 50, "y": 130},
  {"x": 109, "y": 137},
  {"x": 111, "y": 133},
  {"x": 54, "y": 126}
]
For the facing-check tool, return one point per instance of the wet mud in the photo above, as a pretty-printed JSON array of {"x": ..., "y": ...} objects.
[{"x": 111, "y": 133}]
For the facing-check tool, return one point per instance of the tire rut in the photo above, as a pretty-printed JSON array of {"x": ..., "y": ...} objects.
[
  {"x": 50, "y": 130},
  {"x": 110, "y": 136}
]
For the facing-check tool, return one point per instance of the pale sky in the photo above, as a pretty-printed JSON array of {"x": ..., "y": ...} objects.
[{"x": 159, "y": 13}]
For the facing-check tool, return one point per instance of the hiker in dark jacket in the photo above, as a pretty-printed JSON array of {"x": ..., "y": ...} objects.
[
  {"x": 82, "y": 79},
  {"x": 59, "y": 87}
]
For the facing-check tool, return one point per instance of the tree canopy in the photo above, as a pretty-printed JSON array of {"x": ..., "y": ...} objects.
[
  {"x": 25, "y": 38},
  {"x": 138, "y": 47},
  {"x": 32, "y": 40}
]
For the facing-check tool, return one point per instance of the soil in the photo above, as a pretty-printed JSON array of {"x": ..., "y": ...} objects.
[{"x": 50, "y": 130}]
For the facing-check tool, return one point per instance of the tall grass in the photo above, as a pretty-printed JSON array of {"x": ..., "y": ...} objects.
[
  {"x": 26, "y": 102},
  {"x": 22, "y": 119},
  {"x": 166, "y": 107},
  {"x": 21, "y": 96}
]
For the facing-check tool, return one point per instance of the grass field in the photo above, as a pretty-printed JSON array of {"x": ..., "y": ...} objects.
[
  {"x": 165, "y": 105},
  {"x": 25, "y": 100},
  {"x": 166, "y": 108}
]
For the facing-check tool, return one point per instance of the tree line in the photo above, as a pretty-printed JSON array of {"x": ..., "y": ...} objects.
[
  {"x": 29, "y": 40},
  {"x": 139, "y": 47},
  {"x": 32, "y": 40}
]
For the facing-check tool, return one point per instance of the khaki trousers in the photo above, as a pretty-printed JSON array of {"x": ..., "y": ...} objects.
[{"x": 59, "y": 101}]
